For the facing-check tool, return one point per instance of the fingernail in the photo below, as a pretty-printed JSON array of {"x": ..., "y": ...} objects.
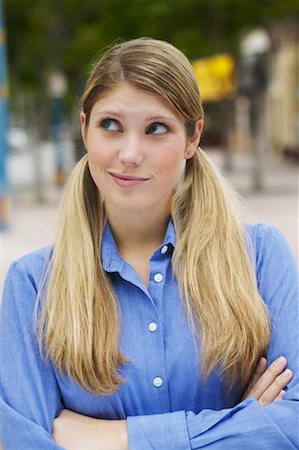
[
  {"x": 281, "y": 361},
  {"x": 261, "y": 362},
  {"x": 287, "y": 373}
]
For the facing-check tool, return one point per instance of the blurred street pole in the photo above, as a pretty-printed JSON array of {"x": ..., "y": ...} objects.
[
  {"x": 253, "y": 83},
  {"x": 227, "y": 118},
  {"x": 4, "y": 184},
  {"x": 37, "y": 167},
  {"x": 258, "y": 126},
  {"x": 57, "y": 90}
]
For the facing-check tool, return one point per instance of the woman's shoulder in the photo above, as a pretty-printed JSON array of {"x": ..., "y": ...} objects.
[
  {"x": 32, "y": 265},
  {"x": 259, "y": 229},
  {"x": 26, "y": 278},
  {"x": 268, "y": 244},
  {"x": 261, "y": 233},
  {"x": 35, "y": 259}
]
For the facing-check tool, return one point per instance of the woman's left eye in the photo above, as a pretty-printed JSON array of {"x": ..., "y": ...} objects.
[{"x": 157, "y": 128}]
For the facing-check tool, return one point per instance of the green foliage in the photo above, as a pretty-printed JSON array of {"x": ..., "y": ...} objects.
[{"x": 68, "y": 34}]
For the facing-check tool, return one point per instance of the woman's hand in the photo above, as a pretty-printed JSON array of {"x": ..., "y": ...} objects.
[
  {"x": 75, "y": 431},
  {"x": 267, "y": 384}
]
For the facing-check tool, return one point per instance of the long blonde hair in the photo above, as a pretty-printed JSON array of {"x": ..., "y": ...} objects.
[{"x": 79, "y": 321}]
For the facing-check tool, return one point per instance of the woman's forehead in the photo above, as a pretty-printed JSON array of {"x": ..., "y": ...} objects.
[{"x": 126, "y": 96}]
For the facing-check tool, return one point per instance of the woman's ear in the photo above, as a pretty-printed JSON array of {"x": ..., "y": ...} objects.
[
  {"x": 194, "y": 140},
  {"x": 83, "y": 126}
]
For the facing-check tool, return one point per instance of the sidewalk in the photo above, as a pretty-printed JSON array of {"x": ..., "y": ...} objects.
[
  {"x": 33, "y": 223},
  {"x": 34, "y": 206},
  {"x": 277, "y": 203}
]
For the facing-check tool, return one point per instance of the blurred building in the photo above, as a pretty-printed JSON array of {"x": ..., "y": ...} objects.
[
  {"x": 254, "y": 101},
  {"x": 283, "y": 92}
]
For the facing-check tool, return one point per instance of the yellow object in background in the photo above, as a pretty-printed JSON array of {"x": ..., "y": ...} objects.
[{"x": 216, "y": 77}]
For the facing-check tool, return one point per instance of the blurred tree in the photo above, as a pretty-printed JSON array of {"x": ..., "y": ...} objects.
[{"x": 44, "y": 35}]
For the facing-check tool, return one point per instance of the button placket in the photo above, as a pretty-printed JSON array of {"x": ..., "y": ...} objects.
[{"x": 157, "y": 373}]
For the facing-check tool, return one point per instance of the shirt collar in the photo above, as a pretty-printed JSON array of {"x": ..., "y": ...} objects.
[{"x": 111, "y": 259}]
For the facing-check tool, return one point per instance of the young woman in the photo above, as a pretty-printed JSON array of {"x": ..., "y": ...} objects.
[{"x": 146, "y": 326}]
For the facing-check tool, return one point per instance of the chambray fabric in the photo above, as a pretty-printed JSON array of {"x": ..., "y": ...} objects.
[{"x": 166, "y": 405}]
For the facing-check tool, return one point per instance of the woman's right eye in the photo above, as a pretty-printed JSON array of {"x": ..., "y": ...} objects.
[{"x": 110, "y": 125}]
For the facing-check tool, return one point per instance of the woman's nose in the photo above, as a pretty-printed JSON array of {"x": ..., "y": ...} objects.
[{"x": 130, "y": 153}]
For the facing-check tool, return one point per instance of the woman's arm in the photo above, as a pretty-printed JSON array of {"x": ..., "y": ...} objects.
[
  {"x": 29, "y": 394},
  {"x": 72, "y": 430}
]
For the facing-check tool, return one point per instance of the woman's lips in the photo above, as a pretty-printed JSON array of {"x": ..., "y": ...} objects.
[{"x": 124, "y": 180}]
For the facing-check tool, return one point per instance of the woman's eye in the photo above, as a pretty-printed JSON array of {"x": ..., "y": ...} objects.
[
  {"x": 110, "y": 125},
  {"x": 157, "y": 128}
]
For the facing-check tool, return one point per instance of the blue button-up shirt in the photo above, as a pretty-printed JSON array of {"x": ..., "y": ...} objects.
[{"x": 163, "y": 399}]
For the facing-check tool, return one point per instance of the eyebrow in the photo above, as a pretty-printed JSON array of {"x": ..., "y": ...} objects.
[
  {"x": 157, "y": 118},
  {"x": 120, "y": 115},
  {"x": 109, "y": 113}
]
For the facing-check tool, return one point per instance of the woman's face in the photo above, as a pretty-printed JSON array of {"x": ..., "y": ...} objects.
[{"x": 137, "y": 149}]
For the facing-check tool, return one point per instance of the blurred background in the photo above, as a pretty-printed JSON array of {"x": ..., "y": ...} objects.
[{"x": 246, "y": 57}]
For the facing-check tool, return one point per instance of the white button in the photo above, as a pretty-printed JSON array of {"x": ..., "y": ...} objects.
[
  {"x": 164, "y": 249},
  {"x": 158, "y": 277},
  {"x": 157, "y": 381},
  {"x": 152, "y": 326}
]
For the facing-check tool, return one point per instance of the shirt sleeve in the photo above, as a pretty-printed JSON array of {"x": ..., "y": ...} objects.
[
  {"x": 248, "y": 425},
  {"x": 29, "y": 394}
]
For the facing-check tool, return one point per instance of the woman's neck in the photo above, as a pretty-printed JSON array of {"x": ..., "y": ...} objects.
[{"x": 141, "y": 233}]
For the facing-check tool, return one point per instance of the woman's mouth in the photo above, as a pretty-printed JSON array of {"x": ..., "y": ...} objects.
[{"x": 126, "y": 180}]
